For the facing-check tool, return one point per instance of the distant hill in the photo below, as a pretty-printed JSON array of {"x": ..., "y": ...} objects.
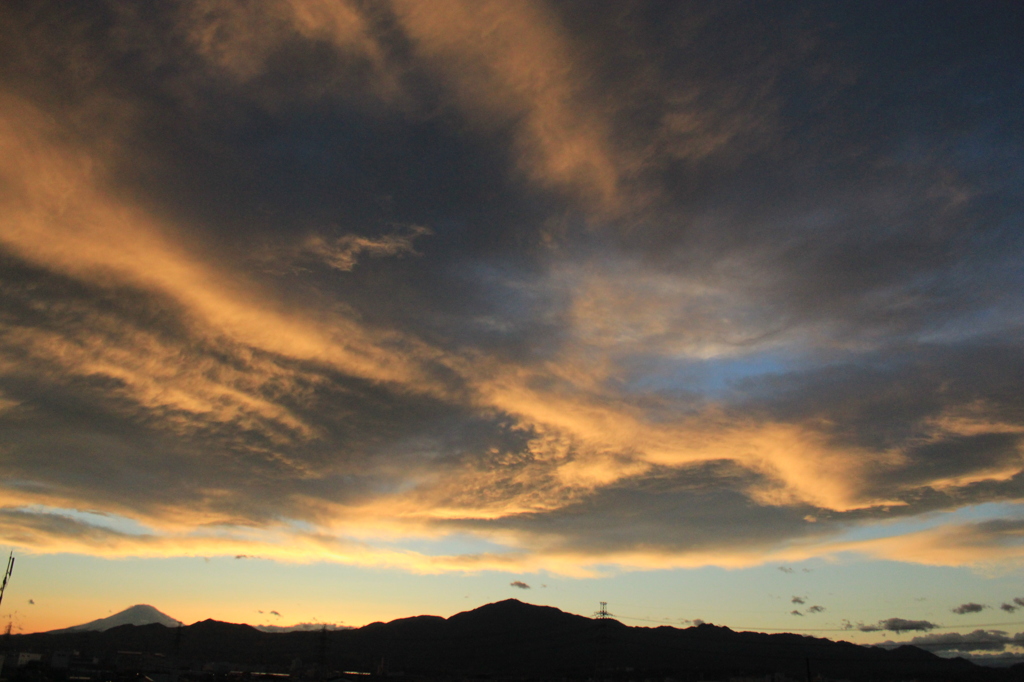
[
  {"x": 301, "y": 627},
  {"x": 140, "y": 614},
  {"x": 513, "y": 640}
]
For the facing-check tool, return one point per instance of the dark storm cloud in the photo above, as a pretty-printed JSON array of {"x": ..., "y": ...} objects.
[
  {"x": 868, "y": 208},
  {"x": 191, "y": 391},
  {"x": 927, "y": 401},
  {"x": 971, "y": 371},
  {"x": 638, "y": 517},
  {"x": 31, "y": 528},
  {"x": 654, "y": 280}
]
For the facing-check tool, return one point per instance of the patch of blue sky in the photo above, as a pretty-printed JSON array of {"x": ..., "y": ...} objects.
[
  {"x": 712, "y": 377},
  {"x": 114, "y": 522},
  {"x": 449, "y": 545},
  {"x": 1003, "y": 316},
  {"x": 299, "y": 526}
]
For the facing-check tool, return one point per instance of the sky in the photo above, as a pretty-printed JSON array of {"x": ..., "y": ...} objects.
[{"x": 348, "y": 311}]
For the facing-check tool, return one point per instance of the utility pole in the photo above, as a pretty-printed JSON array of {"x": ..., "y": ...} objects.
[
  {"x": 3, "y": 586},
  {"x": 7, "y": 575}
]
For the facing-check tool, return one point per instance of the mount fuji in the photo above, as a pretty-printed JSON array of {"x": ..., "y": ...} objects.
[{"x": 140, "y": 614}]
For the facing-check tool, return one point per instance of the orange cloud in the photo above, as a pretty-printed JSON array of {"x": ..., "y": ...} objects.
[
  {"x": 614, "y": 440},
  {"x": 238, "y": 39},
  {"x": 513, "y": 64},
  {"x": 990, "y": 546},
  {"x": 343, "y": 252},
  {"x": 59, "y": 216},
  {"x": 507, "y": 66}
]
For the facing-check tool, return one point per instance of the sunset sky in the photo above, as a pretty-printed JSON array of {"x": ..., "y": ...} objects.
[{"x": 352, "y": 311}]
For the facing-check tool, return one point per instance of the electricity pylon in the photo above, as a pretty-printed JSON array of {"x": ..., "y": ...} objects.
[{"x": 601, "y": 661}]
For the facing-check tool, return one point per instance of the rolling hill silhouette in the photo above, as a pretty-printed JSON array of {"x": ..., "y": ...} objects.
[{"x": 512, "y": 639}]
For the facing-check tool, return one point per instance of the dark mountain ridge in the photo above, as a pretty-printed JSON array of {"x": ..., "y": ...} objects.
[{"x": 512, "y": 639}]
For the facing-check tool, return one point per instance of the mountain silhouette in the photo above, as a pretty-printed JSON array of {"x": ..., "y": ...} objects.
[
  {"x": 140, "y": 614},
  {"x": 514, "y": 640}
]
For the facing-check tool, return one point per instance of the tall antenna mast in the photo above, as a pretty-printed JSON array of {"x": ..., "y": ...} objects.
[{"x": 7, "y": 575}]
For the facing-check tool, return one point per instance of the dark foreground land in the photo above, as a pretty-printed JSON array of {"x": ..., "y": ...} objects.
[{"x": 504, "y": 641}]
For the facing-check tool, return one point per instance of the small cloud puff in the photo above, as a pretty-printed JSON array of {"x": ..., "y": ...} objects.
[
  {"x": 343, "y": 253},
  {"x": 898, "y": 625},
  {"x": 786, "y": 569},
  {"x": 816, "y": 609},
  {"x": 969, "y": 607},
  {"x": 1010, "y": 608},
  {"x": 797, "y": 600},
  {"x": 520, "y": 584}
]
